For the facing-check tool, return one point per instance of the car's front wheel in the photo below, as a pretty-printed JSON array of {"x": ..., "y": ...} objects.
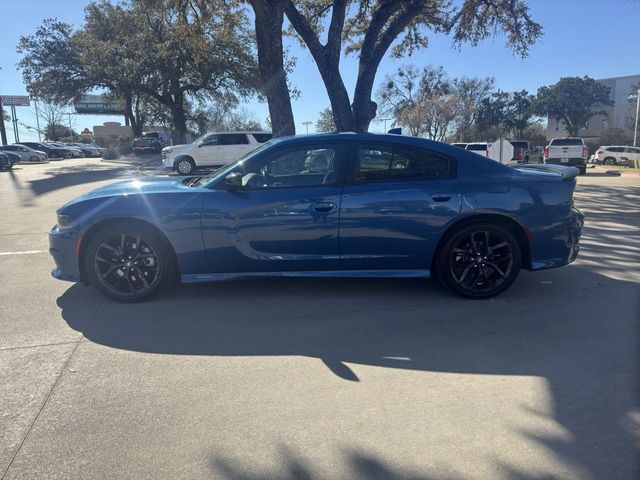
[
  {"x": 184, "y": 166},
  {"x": 479, "y": 260},
  {"x": 129, "y": 262}
]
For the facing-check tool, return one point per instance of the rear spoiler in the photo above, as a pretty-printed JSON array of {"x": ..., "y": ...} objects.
[{"x": 567, "y": 173}]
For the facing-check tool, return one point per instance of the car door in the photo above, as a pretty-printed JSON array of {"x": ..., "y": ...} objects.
[
  {"x": 209, "y": 152},
  {"x": 395, "y": 206},
  {"x": 284, "y": 217}
]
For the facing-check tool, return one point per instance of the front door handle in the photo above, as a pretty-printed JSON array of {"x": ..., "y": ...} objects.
[
  {"x": 441, "y": 197},
  {"x": 323, "y": 206}
]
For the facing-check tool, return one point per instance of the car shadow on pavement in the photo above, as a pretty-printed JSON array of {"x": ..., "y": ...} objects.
[{"x": 576, "y": 327}]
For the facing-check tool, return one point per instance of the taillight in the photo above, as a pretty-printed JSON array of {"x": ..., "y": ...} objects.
[
  {"x": 546, "y": 152},
  {"x": 585, "y": 152},
  {"x": 521, "y": 154},
  {"x": 600, "y": 152}
]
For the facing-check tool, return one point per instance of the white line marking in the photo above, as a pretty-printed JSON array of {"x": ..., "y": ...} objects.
[{"x": 26, "y": 252}]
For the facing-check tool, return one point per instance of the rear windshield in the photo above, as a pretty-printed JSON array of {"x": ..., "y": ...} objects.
[
  {"x": 482, "y": 146},
  {"x": 262, "y": 137},
  {"x": 519, "y": 144},
  {"x": 566, "y": 142},
  {"x": 150, "y": 135}
]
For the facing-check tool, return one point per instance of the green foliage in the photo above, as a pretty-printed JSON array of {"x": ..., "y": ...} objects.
[
  {"x": 574, "y": 100},
  {"x": 325, "y": 123},
  {"x": 504, "y": 113},
  {"x": 110, "y": 154},
  {"x": 56, "y": 131}
]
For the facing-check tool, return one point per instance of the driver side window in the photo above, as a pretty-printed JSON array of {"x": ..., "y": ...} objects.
[{"x": 296, "y": 167}]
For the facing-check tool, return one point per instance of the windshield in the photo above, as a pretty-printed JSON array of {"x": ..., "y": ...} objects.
[
  {"x": 222, "y": 171},
  {"x": 566, "y": 142}
]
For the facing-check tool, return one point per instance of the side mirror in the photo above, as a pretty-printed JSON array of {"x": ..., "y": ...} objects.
[{"x": 233, "y": 181}]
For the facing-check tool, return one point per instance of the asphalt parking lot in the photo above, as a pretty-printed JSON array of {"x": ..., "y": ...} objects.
[{"x": 318, "y": 379}]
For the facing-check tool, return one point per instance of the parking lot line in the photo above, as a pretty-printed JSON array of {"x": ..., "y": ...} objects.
[{"x": 26, "y": 252}]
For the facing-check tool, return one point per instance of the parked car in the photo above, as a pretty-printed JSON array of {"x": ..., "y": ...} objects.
[
  {"x": 85, "y": 149},
  {"x": 331, "y": 205},
  {"x": 151, "y": 142},
  {"x": 5, "y": 161},
  {"x": 617, "y": 155},
  {"x": 13, "y": 156},
  {"x": 50, "y": 150},
  {"x": 526, "y": 152},
  {"x": 27, "y": 154},
  {"x": 567, "y": 151},
  {"x": 479, "y": 148},
  {"x": 213, "y": 149},
  {"x": 74, "y": 152}
]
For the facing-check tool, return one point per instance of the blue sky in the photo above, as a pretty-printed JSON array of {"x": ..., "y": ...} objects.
[{"x": 581, "y": 37}]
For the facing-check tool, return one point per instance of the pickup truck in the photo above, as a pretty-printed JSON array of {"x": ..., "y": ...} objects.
[
  {"x": 525, "y": 152},
  {"x": 567, "y": 151},
  {"x": 151, "y": 141}
]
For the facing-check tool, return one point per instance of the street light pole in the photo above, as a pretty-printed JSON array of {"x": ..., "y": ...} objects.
[
  {"x": 306, "y": 124},
  {"x": 635, "y": 131}
]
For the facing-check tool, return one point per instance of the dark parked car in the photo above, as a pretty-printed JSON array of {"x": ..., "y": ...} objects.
[
  {"x": 5, "y": 161},
  {"x": 525, "y": 152},
  {"x": 150, "y": 142},
  {"x": 50, "y": 150},
  {"x": 332, "y": 205},
  {"x": 13, "y": 157}
]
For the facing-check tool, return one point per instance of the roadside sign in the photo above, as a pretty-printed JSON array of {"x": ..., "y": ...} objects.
[
  {"x": 99, "y": 105},
  {"x": 501, "y": 151},
  {"x": 15, "y": 100}
]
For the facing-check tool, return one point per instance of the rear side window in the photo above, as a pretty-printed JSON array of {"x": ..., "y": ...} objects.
[
  {"x": 566, "y": 142},
  {"x": 262, "y": 137},
  {"x": 388, "y": 162},
  {"x": 233, "y": 139},
  {"x": 477, "y": 147}
]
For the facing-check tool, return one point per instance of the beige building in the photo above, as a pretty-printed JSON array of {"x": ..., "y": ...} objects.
[{"x": 621, "y": 114}]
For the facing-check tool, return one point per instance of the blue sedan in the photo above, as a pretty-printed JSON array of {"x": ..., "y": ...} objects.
[{"x": 331, "y": 205}]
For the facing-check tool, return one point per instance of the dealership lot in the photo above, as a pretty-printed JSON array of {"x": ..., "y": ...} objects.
[{"x": 318, "y": 378}]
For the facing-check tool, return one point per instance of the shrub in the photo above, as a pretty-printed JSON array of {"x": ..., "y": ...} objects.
[{"x": 110, "y": 154}]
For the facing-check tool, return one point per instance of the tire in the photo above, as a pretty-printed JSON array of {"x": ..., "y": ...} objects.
[
  {"x": 582, "y": 170},
  {"x": 490, "y": 250},
  {"x": 609, "y": 161},
  {"x": 129, "y": 262},
  {"x": 184, "y": 166}
]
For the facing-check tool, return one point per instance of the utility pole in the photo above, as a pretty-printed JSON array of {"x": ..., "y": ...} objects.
[
  {"x": 635, "y": 130},
  {"x": 385, "y": 123},
  {"x": 3, "y": 131},
  {"x": 37, "y": 120},
  {"x": 306, "y": 124}
]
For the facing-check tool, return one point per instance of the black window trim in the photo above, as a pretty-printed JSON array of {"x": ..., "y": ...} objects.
[{"x": 353, "y": 158}]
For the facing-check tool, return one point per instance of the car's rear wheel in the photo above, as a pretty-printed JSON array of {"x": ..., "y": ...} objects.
[
  {"x": 479, "y": 261},
  {"x": 609, "y": 161},
  {"x": 129, "y": 262},
  {"x": 185, "y": 166}
]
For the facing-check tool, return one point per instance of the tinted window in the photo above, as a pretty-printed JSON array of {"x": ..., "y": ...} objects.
[
  {"x": 633, "y": 150},
  {"x": 210, "y": 140},
  {"x": 150, "y": 135},
  {"x": 232, "y": 139},
  {"x": 262, "y": 137},
  {"x": 295, "y": 167},
  {"x": 518, "y": 145},
  {"x": 566, "y": 142},
  {"x": 387, "y": 162},
  {"x": 477, "y": 147}
]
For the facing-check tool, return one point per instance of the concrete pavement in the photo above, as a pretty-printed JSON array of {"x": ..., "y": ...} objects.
[{"x": 318, "y": 379}]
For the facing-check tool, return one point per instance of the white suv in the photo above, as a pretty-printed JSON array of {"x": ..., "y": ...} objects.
[
  {"x": 617, "y": 155},
  {"x": 213, "y": 149}
]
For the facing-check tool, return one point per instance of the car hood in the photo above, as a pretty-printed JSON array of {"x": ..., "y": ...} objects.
[{"x": 134, "y": 187}]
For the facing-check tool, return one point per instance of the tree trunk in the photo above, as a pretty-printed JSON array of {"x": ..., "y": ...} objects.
[
  {"x": 136, "y": 125},
  {"x": 269, "y": 16},
  {"x": 179, "y": 120}
]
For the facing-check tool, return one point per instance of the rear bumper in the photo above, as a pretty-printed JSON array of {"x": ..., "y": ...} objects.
[
  {"x": 559, "y": 244},
  {"x": 572, "y": 162},
  {"x": 62, "y": 247}
]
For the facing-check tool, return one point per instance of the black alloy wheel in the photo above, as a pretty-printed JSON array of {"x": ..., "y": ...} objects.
[
  {"x": 128, "y": 263},
  {"x": 480, "y": 261}
]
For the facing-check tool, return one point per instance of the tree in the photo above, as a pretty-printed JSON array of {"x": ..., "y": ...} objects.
[
  {"x": 167, "y": 52},
  {"x": 573, "y": 100},
  {"x": 369, "y": 28},
  {"x": 268, "y": 20},
  {"x": 471, "y": 92},
  {"x": 53, "y": 115},
  {"x": 505, "y": 114},
  {"x": 325, "y": 123},
  {"x": 421, "y": 100},
  {"x": 56, "y": 131}
]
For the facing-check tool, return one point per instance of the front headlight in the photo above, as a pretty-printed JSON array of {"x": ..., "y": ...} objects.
[{"x": 64, "y": 220}]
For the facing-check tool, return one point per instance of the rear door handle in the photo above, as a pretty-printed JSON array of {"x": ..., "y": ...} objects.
[
  {"x": 323, "y": 206},
  {"x": 441, "y": 197}
]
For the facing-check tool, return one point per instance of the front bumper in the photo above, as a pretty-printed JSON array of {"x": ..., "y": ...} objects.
[{"x": 62, "y": 247}]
